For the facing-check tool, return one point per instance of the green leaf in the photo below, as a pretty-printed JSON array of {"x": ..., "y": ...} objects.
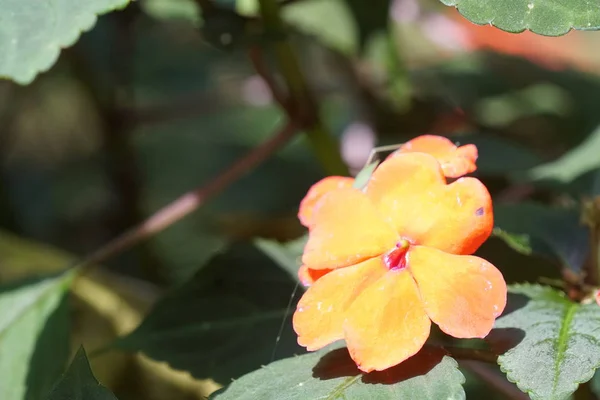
[
  {"x": 286, "y": 255},
  {"x": 224, "y": 322},
  {"x": 184, "y": 10},
  {"x": 79, "y": 383},
  {"x": 33, "y": 32},
  {"x": 575, "y": 163},
  {"x": 429, "y": 375},
  {"x": 520, "y": 243},
  {"x": 551, "y": 232},
  {"x": 314, "y": 17},
  {"x": 554, "y": 344},
  {"x": 34, "y": 336},
  {"x": 544, "y": 17}
]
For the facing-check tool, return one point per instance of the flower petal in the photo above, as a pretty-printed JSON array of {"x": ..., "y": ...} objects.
[
  {"x": 462, "y": 294},
  {"x": 455, "y": 161},
  {"x": 316, "y": 192},
  {"x": 386, "y": 324},
  {"x": 346, "y": 229},
  {"x": 411, "y": 192},
  {"x": 308, "y": 276},
  {"x": 321, "y": 311}
]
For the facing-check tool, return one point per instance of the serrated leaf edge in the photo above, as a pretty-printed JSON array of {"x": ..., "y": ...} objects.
[
  {"x": 495, "y": 25},
  {"x": 572, "y": 309},
  {"x": 28, "y": 75}
]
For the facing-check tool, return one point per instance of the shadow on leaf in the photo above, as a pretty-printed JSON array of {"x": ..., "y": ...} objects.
[
  {"x": 337, "y": 363},
  {"x": 503, "y": 339}
]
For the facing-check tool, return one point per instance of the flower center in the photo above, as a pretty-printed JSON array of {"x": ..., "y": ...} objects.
[{"x": 396, "y": 258}]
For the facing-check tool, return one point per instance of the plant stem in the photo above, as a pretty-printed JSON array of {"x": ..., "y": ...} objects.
[
  {"x": 190, "y": 201},
  {"x": 302, "y": 101}
]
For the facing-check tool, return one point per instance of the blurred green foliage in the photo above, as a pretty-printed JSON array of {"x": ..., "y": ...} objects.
[{"x": 161, "y": 98}]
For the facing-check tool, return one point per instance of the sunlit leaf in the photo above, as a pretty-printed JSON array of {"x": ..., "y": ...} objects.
[
  {"x": 184, "y": 10},
  {"x": 33, "y": 32},
  {"x": 553, "y": 344},
  {"x": 34, "y": 336},
  {"x": 79, "y": 383},
  {"x": 331, "y": 374},
  {"x": 575, "y": 163},
  {"x": 545, "y": 17}
]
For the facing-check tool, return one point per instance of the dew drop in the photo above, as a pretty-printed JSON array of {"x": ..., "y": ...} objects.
[{"x": 530, "y": 6}]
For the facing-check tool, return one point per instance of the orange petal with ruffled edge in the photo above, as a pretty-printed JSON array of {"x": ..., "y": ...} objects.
[
  {"x": 321, "y": 311},
  {"x": 410, "y": 191},
  {"x": 347, "y": 229},
  {"x": 463, "y": 295},
  {"x": 387, "y": 323},
  {"x": 316, "y": 192},
  {"x": 308, "y": 276},
  {"x": 455, "y": 161}
]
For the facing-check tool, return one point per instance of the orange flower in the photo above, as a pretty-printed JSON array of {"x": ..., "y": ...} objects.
[
  {"x": 398, "y": 252},
  {"x": 455, "y": 162}
]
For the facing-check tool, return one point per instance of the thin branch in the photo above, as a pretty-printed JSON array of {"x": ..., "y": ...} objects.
[
  {"x": 301, "y": 100},
  {"x": 190, "y": 201},
  {"x": 256, "y": 58}
]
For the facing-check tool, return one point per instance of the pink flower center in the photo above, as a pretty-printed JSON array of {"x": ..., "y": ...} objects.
[{"x": 396, "y": 258}]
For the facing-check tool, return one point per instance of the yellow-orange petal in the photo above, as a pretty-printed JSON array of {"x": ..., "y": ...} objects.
[
  {"x": 347, "y": 229},
  {"x": 463, "y": 295},
  {"x": 387, "y": 323},
  {"x": 316, "y": 192},
  {"x": 321, "y": 311},
  {"x": 410, "y": 191},
  {"x": 455, "y": 161},
  {"x": 308, "y": 276}
]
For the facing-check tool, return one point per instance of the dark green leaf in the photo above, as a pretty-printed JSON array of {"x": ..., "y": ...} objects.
[
  {"x": 225, "y": 321},
  {"x": 331, "y": 374},
  {"x": 79, "y": 383},
  {"x": 286, "y": 255},
  {"x": 545, "y": 17},
  {"x": 34, "y": 336},
  {"x": 33, "y": 32},
  {"x": 328, "y": 20},
  {"x": 494, "y": 151},
  {"x": 314, "y": 17},
  {"x": 577, "y": 168},
  {"x": 552, "y": 232},
  {"x": 553, "y": 344}
]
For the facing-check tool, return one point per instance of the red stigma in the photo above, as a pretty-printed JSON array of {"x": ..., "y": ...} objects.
[{"x": 395, "y": 259}]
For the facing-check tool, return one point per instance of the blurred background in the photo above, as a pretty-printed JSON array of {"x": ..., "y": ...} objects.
[{"x": 157, "y": 100}]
